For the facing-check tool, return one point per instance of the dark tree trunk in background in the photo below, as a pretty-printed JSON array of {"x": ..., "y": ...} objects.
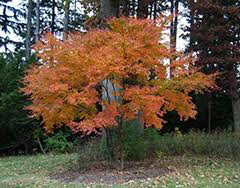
[
  {"x": 53, "y": 16},
  {"x": 133, "y": 7},
  {"x": 175, "y": 23},
  {"x": 29, "y": 24},
  {"x": 37, "y": 20},
  {"x": 66, "y": 18},
  {"x": 142, "y": 10},
  {"x": 191, "y": 19},
  {"x": 215, "y": 36},
  {"x": 109, "y": 141},
  {"x": 126, "y": 8},
  {"x": 174, "y": 28},
  {"x": 209, "y": 112},
  {"x": 121, "y": 143},
  {"x": 109, "y": 8},
  {"x": 236, "y": 116},
  {"x": 171, "y": 33},
  {"x": 155, "y": 11},
  {"x": 235, "y": 100}
]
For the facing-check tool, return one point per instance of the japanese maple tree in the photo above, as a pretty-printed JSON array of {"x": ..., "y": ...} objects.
[{"x": 129, "y": 54}]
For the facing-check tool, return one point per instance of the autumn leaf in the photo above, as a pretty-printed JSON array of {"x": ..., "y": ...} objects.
[{"x": 66, "y": 85}]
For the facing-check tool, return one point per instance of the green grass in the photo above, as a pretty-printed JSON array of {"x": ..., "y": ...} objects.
[
  {"x": 33, "y": 171},
  {"x": 199, "y": 172},
  {"x": 224, "y": 144},
  {"x": 187, "y": 171}
]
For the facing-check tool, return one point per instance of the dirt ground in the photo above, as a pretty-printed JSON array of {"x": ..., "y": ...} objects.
[{"x": 107, "y": 173}]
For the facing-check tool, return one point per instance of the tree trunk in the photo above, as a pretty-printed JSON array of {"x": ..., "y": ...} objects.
[
  {"x": 37, "y": 20},
  {"x": 236, "y": 114},
  {"x": 109, "y": 8},
  {"x": 26, "y": 148},
  {"x": 109, "y": 142},
  {"x": 209, "y": 112},
  {"x": 155, "y": 11},
  {"x": 142, "y": 10},
  {"x": 133, "y": 7},
  {"x": 234, "y": 87},
  {"x": 53, "y": 17},
  {"x": 191, "y": 25},
  {"x": 235, "y": 100},
  {"x": 175, "y": 24},
  {"x": 171, "y": 35},
  {"x": 173, "y": 29},
  {"x": 40, "y": 145},
  {"x": 29, "y": 24},
  {"x": 121, "y": 144},
  {"x": 75, "y": 10},
  {"x": 126, "y": 11},
  {"x": 66, "y": 18}
]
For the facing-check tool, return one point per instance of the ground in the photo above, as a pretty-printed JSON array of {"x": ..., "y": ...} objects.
[{"x": 65, "y": 170}]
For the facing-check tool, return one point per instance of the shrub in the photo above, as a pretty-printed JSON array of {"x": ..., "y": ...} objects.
[
  {"x": 142, "y": 144},
  {"x": 95, "y": 149},
  {"x": 224, "y": 144},
  {"x": 138, "y": 144},
  {"x": 59, "y": 142},
  {"x": 134, "y": 145}
]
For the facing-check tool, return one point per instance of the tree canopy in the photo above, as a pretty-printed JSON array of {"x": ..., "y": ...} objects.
[{"x": 131, "y": 55}]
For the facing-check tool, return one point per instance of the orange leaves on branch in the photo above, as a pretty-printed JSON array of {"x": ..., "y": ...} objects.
[
  {"x": 107, "y": 118},
  {"x": 63, "y": 87}
]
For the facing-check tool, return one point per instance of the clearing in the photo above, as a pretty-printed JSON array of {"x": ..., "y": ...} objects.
[{"x": 64, "y": 170}]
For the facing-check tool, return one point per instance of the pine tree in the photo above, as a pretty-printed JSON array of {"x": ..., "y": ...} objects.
[
  {"x": 29, "y": 29},
  {"x": 10, "y": 22},
  {"x": 215, "y": 37}
]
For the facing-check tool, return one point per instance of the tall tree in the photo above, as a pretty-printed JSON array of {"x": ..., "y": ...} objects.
[
  {"x": 215, "y": 37},
  {"x": 37, "y": 32},
  {"x": 16, "y": 128},
  {"x": 151, "y": 8},
  {"x": 53, "y": 16},
  {"x": 29, "y": 29},
  {"x": 109, "y": 8},
  {"x": 174, "y": 28},
  {"x": 10, "y": 22},
  {"x": 142, "y": 11},
  {"x": 111, "y": 55},
  {"x": 66, "y": 17}
]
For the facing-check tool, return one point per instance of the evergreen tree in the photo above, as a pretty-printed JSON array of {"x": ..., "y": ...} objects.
[
  {"x": 16, "y": 128},
  {"x": 215, "y": 38},
  {"x": 10, "y": 22}
]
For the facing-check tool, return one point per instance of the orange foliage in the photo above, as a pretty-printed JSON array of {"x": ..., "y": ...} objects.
[{"x": 130, "y": 54}]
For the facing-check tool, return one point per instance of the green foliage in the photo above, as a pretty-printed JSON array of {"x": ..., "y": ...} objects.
[
  {"x": 134, "y": 144},
  {"x": 59, "y": 142},
  {"x": 139, "y": 143},
  {"x": 223, "y": 144},
  {"x": 148, "y": 143},
  {"x": 93, "y": 150},
  {"x": 16, "y": 128},
  {"x": 15, "y": 125},
  {"x": 10, "y": 21},
  {"x": 33, "y": 171}
]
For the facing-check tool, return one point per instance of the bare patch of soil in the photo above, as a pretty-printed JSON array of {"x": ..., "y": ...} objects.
[{"x": 107, "y": 173}]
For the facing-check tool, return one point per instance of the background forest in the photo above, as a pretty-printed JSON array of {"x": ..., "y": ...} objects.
[{"x": 212, "y": 34}]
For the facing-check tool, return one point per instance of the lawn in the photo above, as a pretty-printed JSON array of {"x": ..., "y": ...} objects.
[{"x": 183, "y": 171}]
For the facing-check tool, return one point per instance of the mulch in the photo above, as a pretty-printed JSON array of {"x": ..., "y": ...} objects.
[{"x": 106, "y": 173}]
